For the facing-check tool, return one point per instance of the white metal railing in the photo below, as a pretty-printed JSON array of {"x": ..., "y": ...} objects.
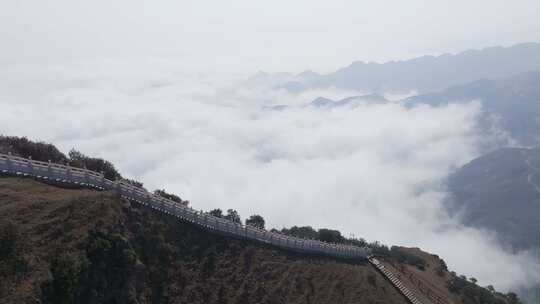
[{"x": 10, "y": 164}]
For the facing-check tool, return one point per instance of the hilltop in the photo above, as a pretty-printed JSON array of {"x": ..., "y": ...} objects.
[
  {"x": 84, "y": 246},
  {"x": 93, "y": 247}
]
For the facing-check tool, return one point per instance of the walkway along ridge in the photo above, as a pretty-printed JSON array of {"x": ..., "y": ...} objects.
[{"x": 66, "y": 174}]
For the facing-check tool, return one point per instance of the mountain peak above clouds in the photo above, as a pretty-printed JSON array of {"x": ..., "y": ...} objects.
[
  {"x": 425, "y": 73},
  {"x": 349, "y": 101}
]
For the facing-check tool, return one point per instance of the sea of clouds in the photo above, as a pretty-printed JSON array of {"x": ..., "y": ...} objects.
[{"x": 374, "y": 171}]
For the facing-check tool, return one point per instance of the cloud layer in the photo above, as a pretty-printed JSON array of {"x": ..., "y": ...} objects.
[{"x": 373, "y": 170}]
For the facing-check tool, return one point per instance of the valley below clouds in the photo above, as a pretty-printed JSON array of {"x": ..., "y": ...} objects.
[{"x": 375, "y": 170}]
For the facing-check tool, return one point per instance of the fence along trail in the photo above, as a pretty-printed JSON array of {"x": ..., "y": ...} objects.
[
  {"x": 48, "y": 171},
  {"x": 10, "y": 164}
]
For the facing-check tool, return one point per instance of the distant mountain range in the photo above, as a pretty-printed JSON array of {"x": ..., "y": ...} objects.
[
  {"x": 349, "y": 101},
  {"x": 513, "y": 103},
  {"x": 424, "y": 74},
  {"x": 498, "y": 191},
  {"x": 510, "y": 105},
  {"x": 323, "y": 102},
  {"x": 501, "y": 189}
]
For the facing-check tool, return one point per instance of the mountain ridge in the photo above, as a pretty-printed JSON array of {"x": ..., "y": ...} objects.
[
  {"x": 426, "y": 73},
  {"x": 513, "y": 102},
  {"x": 85, "y": 246}
]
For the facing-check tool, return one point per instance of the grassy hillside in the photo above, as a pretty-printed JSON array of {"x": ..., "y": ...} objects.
[{"x": 83, "y": 246}]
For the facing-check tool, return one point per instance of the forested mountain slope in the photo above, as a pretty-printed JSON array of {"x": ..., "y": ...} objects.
[{"x": 501, "y": 191}]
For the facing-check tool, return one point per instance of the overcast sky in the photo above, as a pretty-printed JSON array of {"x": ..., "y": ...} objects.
[{"x": 267, "y": 35}]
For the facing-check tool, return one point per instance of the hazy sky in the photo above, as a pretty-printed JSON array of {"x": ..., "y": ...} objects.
[{"x": 268, "y": 35}]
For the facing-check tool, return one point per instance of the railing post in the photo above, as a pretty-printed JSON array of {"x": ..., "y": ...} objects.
[
  {"x": 9, "y": 164},
  {"x": 49, "y": 169},
  {"x": 86, "y": 179},
  {"x": 30, "y": 165},
  {"x": 102, "y": 180},
  {"x": 116, "y": 186},
  {"x": 149, "y": 200},
  {"x": 161, "y": 204},
  {"x": 68, "y": 173}
]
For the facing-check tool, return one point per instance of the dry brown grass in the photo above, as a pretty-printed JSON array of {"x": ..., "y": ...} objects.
[{"x": 54, "y": 220}]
